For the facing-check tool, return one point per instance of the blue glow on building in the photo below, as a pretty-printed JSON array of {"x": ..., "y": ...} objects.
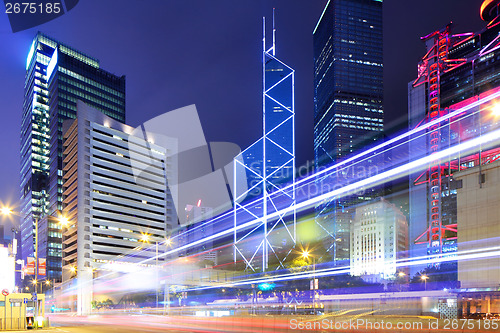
[
  {"x": 52, "y": 64},
  {"x": 30, "y": 55},
  {"x": 270, "y": 165}
]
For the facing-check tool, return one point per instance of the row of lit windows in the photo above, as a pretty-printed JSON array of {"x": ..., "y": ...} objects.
[
  {"x": 93, "y": 91},
  {"x": 91, "y": 82},
  {"x": 77, "y": 55},
  {"x": 87, "y": 97},
  {"x": 380, "y": 120},
  {"x": 349, "y": 121},
  {"x": 368, "y": 63}
]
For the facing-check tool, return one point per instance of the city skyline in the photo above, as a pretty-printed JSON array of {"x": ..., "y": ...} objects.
[
  {"x": 231, "y": 29},
  {"x": 405, "y": 226}
]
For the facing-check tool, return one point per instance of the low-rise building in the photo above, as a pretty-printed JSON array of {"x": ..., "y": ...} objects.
[{"x": 379, "y": 237}]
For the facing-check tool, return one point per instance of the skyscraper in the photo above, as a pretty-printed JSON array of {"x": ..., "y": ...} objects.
[
  {"x": 269, "y": 164},
  {"x": 56, "y": 77},
  {"x": 116, "y": 196},
  {"x": 348, "y": 78},
  {"x": 458, "y": 72},
  {"x": 348, "y": 95}
]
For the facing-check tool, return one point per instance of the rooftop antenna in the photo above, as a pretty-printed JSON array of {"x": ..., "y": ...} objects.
[{"x": 274, "y": 33}]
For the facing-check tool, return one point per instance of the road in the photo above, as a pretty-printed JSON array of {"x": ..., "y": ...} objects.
[{"x": 249, "y": 324}]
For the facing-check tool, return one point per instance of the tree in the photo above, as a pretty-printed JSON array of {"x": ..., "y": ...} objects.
[{"x": 443, "y": 276}]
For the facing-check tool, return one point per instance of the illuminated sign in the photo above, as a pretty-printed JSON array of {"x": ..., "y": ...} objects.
[
  {"x": 266, "y": 286},
  {"x": 42, "y": 266},
  {"x": 30, "y": 266}
]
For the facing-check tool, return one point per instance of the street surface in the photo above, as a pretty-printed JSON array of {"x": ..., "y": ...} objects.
[{"x": 243, "y": 324}]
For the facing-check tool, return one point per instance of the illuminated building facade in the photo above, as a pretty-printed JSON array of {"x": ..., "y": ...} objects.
[
  {"x": 457, "y": 71},
  {"x": 269, "y": 164},
  {"x": 56, "y": 77},
  {"x": 348, "y": 97},
  {"x": 478, "y": 225},
  {"x": 116, "y": 212},
  {"x": 348, "y": 78},
  {"x": 379, "y": 238}
]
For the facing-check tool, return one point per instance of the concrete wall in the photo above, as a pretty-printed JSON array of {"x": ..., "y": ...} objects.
[{"x": 479, "y": 226}]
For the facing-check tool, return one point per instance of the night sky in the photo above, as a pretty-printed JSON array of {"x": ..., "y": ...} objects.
[{"x": 180, "y": 52}]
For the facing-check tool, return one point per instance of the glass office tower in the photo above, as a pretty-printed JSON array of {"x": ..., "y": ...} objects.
[
  {"x": 348, "y": 95},
  {"x": 348, "y": 78},
  {"x": 57, "y": 76},
  {"x": 269, "y": 166}
]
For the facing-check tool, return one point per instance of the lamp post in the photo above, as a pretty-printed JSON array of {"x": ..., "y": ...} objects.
[
  {"x": 401, "y": 276},
  {"x": 166, "y": 293},
  {"x": 306, "y": 255},
  {"x": 7, "y": 211},
  {"x": 425, "y": 278},
  {"x": 145, "y": 238}
]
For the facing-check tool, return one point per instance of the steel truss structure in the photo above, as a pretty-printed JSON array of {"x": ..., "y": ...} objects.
[
  {"x": 433, "y": 64},
  {"x": 269, "y": 164},
  {"x": 439, "y": 234}
]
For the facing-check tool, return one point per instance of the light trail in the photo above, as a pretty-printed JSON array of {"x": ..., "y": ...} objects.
[
  {"x": 418, "y": 261},
  {"x": 376, "y": 149},
  {"x": 464, "y": 148}
]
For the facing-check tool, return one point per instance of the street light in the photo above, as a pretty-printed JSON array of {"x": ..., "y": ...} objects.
[
  {"x": 166, "y": 292},
  {"x": 7, "y": 211},
  {"x": 401, "y": 275},
  {"x": 425, "y": 278},
  {"x": 495, "y": 109},
  {"x": 145, "y": 238},
  {"x": 63, "y": 220},
  {"x": 306, "y": 254}
]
